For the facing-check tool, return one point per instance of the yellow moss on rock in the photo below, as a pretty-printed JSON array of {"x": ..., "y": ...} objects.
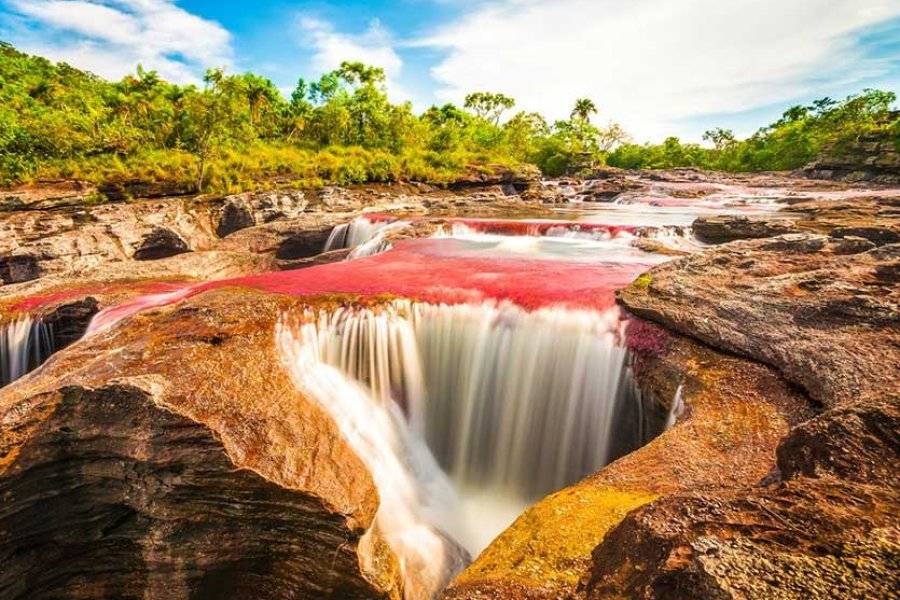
[{"x": 569, "y": 523}]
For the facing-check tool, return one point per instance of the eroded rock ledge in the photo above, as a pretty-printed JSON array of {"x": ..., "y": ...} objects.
[
  {"x": 824, "y": 524},
  {"x": 172, "y": 457}
]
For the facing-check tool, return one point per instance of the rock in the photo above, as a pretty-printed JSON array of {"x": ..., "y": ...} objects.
[
  {"x": 828, "y": 320},
  {"x": 788, "y": 540},
  {"x": 171, "y": 456},
  {"x": 46, "y": 194},
  {"x": 120, "y": 190},
  {"x": 236, "y": 215},
  {"x": 160, "y": 243},
  {"x": 874, "y": 158},
  {"x": 486, "y": 175},
  {"x": 721, "y": 229},
  {"x": 857, "y": 442},
  {"x": 824, "y": 523},
  {"x": 248, "y": 209},
  {"x": 877, "y": 235},
  {"x": 853, "y": 245},
  {"x": 69, "y": 321},
  {"x": 19, "y": 268},
  {"x": 303, "y": 244}
]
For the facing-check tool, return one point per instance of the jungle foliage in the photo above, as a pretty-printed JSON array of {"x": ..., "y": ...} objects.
[{"x": 238, "y": 131}]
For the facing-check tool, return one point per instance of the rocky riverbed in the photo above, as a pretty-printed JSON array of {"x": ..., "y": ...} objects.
[{"x": 166, "y": 448}]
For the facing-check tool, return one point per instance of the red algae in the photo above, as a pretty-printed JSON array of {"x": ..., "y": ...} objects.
[
  {"x": 431, "y": 270},
  {"x": 34, "y": 303}
]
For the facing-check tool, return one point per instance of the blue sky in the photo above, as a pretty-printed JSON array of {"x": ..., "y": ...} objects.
[{"x": 657, "y": 66}]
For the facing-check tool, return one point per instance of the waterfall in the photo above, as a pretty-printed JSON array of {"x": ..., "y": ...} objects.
[
  {"x": 513, "y": 404},
  {"x": 364, "y": 235},
  {"x": 25, "y": 343},
  {"x": 416, "y": 500}
]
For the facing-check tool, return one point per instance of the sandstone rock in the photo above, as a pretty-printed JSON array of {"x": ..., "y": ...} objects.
[
  {"x": 160, "y": 243},
  {"x": 857, "y": 442},
  {"x": 873, "y": 159},
  {"x": 826, "y": 319},
  {"x": 303, "y": 244},
  {"x": 877, "y": 235},
  {"x": 171, "y": 457},
  {"x": 69, "y": 321},
  {"x": 824, "y": 523},
  {"x": 478, "y": 176},
  {"x": 721, "y": 229},
  {"x": 46, "y": 194},
  {"x": 819, "y": 539},
  {"x": 236, "y": 215},
  {"x": 117, "y": 191}
]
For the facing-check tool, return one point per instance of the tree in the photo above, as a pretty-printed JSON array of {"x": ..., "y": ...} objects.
[
  {"x": 719, "y": 137},
  {"x": 584, "y": 108},
  {"x": 261, "y": 93},
  {"x": 611, "y": 137},
  {"x": 212, "y": 119},
  {"x": 489, "y": 106},
  {"x": 357, "y": 73}
]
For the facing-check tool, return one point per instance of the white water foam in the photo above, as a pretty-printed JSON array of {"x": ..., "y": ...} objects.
[{"x": 513, "y": 404}]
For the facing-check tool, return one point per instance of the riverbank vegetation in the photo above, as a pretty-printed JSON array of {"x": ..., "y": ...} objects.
[{"x": 238, "y": 130}]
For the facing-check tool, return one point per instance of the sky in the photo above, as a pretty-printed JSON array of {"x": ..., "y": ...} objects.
[{"x": 658, "y": 67}]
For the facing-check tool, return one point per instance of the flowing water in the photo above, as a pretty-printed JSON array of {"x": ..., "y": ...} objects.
[
  {"x": 511, "y": 404},
  {"x": 25, "y": 343},
  {"x": 364, "y": 235}
]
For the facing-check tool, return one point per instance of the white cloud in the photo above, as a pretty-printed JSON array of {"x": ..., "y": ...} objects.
[
  {"x": 374, "y": 47},
  {"x": 651, "y": 63},
  {"x": 110, "y": 37}
]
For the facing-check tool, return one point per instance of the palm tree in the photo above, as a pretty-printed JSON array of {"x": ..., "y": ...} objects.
[{"x": 584, "y": 107}]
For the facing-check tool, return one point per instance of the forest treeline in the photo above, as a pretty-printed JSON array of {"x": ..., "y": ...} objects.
[{"x": 238, "y": 131}]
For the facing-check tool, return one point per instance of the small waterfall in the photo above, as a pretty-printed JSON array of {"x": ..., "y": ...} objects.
[
  {"x": 25, "y": 343},
  {"x": 512, "y": 404},
  {"x": 675, "y": 237},
  {"x": 364, "y": 235}
]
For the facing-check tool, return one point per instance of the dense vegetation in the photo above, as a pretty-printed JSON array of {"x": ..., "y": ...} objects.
[
  {"x": 799, "y": 136},
  {"x": 238, "y": 131}
]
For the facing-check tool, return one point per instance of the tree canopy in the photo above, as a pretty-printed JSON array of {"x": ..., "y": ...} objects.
[{"x": 238, "y": 130}]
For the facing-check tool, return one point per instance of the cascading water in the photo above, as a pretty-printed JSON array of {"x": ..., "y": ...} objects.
[
  {"x": 364, "y": 235},
  {"x": 512, "y": 404},
  {"x": 416, "y": 500},
  {"x": 25, "y": 343}
]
